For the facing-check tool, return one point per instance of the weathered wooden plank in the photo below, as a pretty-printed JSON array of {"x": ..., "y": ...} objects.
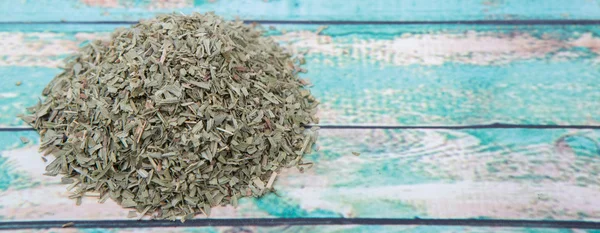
[
  {"x": 384, "y": 10},
  {"x": 390, "y": 75},
  {"x": 361, "y": 30},
  {"x": 515, "y": 174}
]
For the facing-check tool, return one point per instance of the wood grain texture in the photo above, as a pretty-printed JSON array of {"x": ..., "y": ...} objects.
[
  {"x": 367, "y": 74},
  {"x": 382, "y": 10},
  {"x": 393, "y": 76},
  {"x": 516, "y": 174}
]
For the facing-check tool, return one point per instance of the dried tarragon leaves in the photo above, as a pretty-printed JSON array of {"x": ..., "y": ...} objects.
[{"x": 176, "y": 115}]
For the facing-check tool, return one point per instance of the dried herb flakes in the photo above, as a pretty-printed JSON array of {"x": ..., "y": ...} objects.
[{"x": 176, "y": 115}]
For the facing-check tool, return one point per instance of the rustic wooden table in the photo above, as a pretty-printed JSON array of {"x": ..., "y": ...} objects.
[{"x": 378, "y": 67}]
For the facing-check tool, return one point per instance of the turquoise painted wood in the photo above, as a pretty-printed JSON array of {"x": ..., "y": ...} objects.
[
  {"x": 403, "y": 75},
  {"x": 516, "y": 174},
  {"x": 527, "y": 92},
  {"x": 384, "y": 10},
  {"x": 367, "y": 74}
]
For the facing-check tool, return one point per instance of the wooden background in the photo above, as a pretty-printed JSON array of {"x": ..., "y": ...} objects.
[{"x": 476, "y": 62}]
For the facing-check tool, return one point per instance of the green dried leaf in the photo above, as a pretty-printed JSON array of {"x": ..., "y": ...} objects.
[{"x": 176, "y": 115}]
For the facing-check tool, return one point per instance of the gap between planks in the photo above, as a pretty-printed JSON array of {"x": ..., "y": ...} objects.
[{"x": 301, "y": 222}]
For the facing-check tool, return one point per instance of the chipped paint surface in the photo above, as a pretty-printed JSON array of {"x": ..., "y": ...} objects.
[
  {"x": 428, "y": 173},
  {"x": 437, "y": 77},
  {"x": 383, "y": 10},
  {"x": 391, "y": 75},
  {"x": 438, "y": 48},
  {"x": 149, "y": 5},
  {"x": 40, "y": 49}
]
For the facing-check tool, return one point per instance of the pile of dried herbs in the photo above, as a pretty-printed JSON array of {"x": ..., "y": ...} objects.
[{"x": 176, "y": 115}]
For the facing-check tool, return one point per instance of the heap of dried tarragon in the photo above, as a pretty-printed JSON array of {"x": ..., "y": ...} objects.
[{"x": 176, "y": 115}]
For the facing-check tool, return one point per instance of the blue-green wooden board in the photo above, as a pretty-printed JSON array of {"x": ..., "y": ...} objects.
[
  {"x": 381, "y": 10},
  {"x": 390, "y": 75}
]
